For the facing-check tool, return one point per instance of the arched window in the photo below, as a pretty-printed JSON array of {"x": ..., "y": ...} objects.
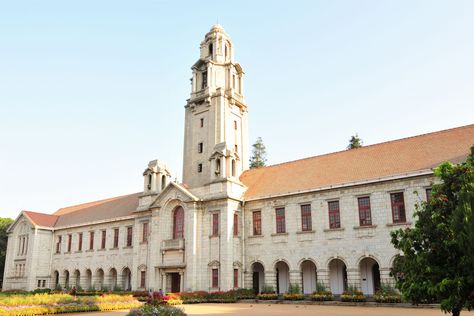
[
  {"x": 218, "y": 166},
  {"x": 163, "y": 181},
  {"x": 233, "y": 167},
  {"x": 210, "y": 49},
  {"x": 178, "y": 223},
  {"x": 149, "y": 181},
  {"x": 225, "y": 50}
]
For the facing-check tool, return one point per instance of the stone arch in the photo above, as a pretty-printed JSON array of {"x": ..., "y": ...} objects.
[
  {"x": 309, "y": 275},
  {"x": 282, "y": 270},
  {"x": 282, "y": 260},
  {"x": 77, "y": 278},
  {"x": 88, "y": 278},
  {"x": 337, "y": 275},
  {"x": 56, "y": 278},
  {"x": 369, "y": 269},
  {"x": 99, "y": 279},
  {"x": 113, "y": 278},
  {"x": 308, "y": 259},
  {"x": 126, "y": 276},
  {"x": 67, "y": 278},
  {"x": 367, "y": 256},
  {"x": 257, "y": 269}
]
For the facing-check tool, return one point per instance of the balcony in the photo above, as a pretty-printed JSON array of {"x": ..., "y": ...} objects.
[{"x": 172, "y": 244}]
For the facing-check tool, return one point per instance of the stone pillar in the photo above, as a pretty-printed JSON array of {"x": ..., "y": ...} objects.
[
  {"x": 181, "y": 281},
  {"x": 353, "y": 277},
  {"x": 247, "y": 282},
  {"x": 270, "y": 279},
  {"x": 296, "y": 279},
  {"x": 385, "y": 276},
  {"x": 62, "y": 280},
  {"x": 322, "y": 275}
]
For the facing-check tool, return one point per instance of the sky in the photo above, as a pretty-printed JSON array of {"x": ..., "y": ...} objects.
[{"x": 90, "y": 91}]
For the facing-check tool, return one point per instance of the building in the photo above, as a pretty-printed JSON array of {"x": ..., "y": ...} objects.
[{"x": 321, "y": 219}]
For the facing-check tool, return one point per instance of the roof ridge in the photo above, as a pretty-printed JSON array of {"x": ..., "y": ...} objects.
[
  {"x": 363, "y": 147},
  {"x": 93, "y": 202}
]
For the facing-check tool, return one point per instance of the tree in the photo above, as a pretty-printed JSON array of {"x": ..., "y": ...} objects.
[
  {"x": 437, "y": 261},
  {"x": 4, "y": 224},
  {"x": 355, "y": 142},
  {"x": 259, "y": 154}
]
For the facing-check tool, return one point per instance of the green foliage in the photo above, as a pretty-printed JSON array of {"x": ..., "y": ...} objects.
[
  {"x": 259, "y": 154},
  {"x": 4, "y": 224},
  {"x": 294, "y": 289},
  {"x": 387, "y": 294},
  {"x": 353, "y": 294},
  {"x": 153, "y": 310},
  {"x": 355, "y": 142},
  {"x": 438, "y": 253},
  {"x": 268, "y": 289}
]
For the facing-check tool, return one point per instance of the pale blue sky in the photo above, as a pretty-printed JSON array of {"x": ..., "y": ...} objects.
[{"x": 90, "y": 91}]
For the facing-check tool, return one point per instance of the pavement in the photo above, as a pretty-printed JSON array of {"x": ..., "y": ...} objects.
[{"x": 247, "y": 309}]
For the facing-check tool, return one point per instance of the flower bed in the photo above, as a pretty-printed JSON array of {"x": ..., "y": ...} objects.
[
  {"x": 40, "y": 304},
  {"x": 152, "y": 310},
  {"x": 267, "y": 296},
  {"x": 293, "y": 297},
  {"x": 353, "y": 297},
  {"x": 388, "y": 298},
  {"x": 322, "y": 296}
]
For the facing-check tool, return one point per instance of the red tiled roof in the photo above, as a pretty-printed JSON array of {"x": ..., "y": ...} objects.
[
  {"x": 99, "y": 210},
  {"x": 372, "y": 162},
  {"x": 41, "y": 219}
]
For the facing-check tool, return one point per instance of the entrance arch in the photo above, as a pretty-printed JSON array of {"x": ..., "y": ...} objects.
[
  {"x": 66, "y": 279},
  {"x": 258, "y": 277},
  {"x": 77, "y": 278},
  {"x": 369, "y": 276},
  {"x": 88, "y": 285},
  {"x": 127, "y": 279},
  {"x": 282, "y": 277},
  {"x": 309, "y": 276},
  {"x": 113, "y": 279},
  {"x": 337, "y": 276},
  {"x": 99, "y": 279}
]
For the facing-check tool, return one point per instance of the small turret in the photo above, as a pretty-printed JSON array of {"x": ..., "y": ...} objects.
[{"x": 155, "y": 179}]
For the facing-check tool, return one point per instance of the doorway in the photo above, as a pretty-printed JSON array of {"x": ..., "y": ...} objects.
[{"x": 175, "y": 282}]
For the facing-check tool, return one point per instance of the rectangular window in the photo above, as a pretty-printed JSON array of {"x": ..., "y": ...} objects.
[
  {"x": 200, "y": 147},
  {"x": 334, "y": 216},
  {"x": 306, "y": 224},
  {"x": 204, "y": 80},
  {"x": 280, "y": 220},
  {"x": 44, "y": 283},
  {"x": 235, "y": 125},
  {"x": 236, "y": 224},
  {"x": 58, "y": 244},
  {"x": 39, "y": 283},
  {"x": 116, "y": 237},
  {"x": 69, "y": 242},
  {"x": 236, "y": 278},
  {"x": 103, "y": 240},
  {"x": 200, "y": 167},
  {"x": 79, "y": 244},
  {"x": 428, "y": 195},
  {"x": 129, "y": 236},
  {"x": 91, "y": 240},
  {"x": 257, "y": 223},
  {"x": 142, "y": 279},
  {"x": 365, "y": 216},
  {"x": 215, "y": 224},
  {"x": 145, "y": 232},
  {"x": 202, "y": 122},
  {"x": 398, "y": 207},
  {"x": 215, "y": 278}
]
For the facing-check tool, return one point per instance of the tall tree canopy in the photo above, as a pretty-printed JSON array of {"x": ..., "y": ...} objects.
[
  {"x": 4, "y": 224},
  {"x": 259, "y": 154},
  {"x": 437, "y": 261},
  {"x": 355, "y": 142}
]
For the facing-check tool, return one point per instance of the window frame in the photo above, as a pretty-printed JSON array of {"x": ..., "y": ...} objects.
[
  {"x": 69, "y": 242},
  {"x": 236, "y": 224},
  {"x": 215, "y": 223},
  {"x": 103, "y": 239},
  {"x": 79, "y": 243},
  {"x": 395, "y": 205},
  {"x": 116, "y": 237},
  {"x": 236, "y": 278},
  {"x": 334, "y": 214},
  {"x": 91, "y": 240},
  {"x": 306, "y": 218},
  {"x": 280, "y": 220},
  {"x": 145, "y": 231},
  {"x": 129, "y": 236},
  {"x": 215, "y": 278},
  {"x": 428, "y": 192},
  {"x": 364, "y": 210},
  {"x": 257, "y": 223}
]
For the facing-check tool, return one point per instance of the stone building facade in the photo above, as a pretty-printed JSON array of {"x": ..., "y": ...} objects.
[{"x": 321, "y": 219}]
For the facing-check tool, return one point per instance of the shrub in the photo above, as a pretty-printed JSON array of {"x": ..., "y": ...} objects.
[
  {"x": 322, "y": 295},
  {"x": 221, "y": 297},
  {"x": 267, "y": 289},
  {"x": 352, "y": 294},
  {"x": 244, "y": 294},
  {"x": 293, "y": 296},
  {"x": 152, "y": 310},
  {"x": 267, "y": 296},
  {"x": 387, "y": 294},
  {"x": 321, "y": 287},
  {"x": 294, "y": 289}
]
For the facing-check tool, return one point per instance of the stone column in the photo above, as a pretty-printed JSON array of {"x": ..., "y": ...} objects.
[
  {"x": 270, "y": 279},
  {"x": 353, "y": 277},
  {"x": 322, "y": 275},
  {"x": 296, "y": 278},
  {"x": 181, "y": 281}
]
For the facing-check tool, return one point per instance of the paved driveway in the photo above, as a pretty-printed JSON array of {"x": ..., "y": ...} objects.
[{"x": 245, "y": 309}]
